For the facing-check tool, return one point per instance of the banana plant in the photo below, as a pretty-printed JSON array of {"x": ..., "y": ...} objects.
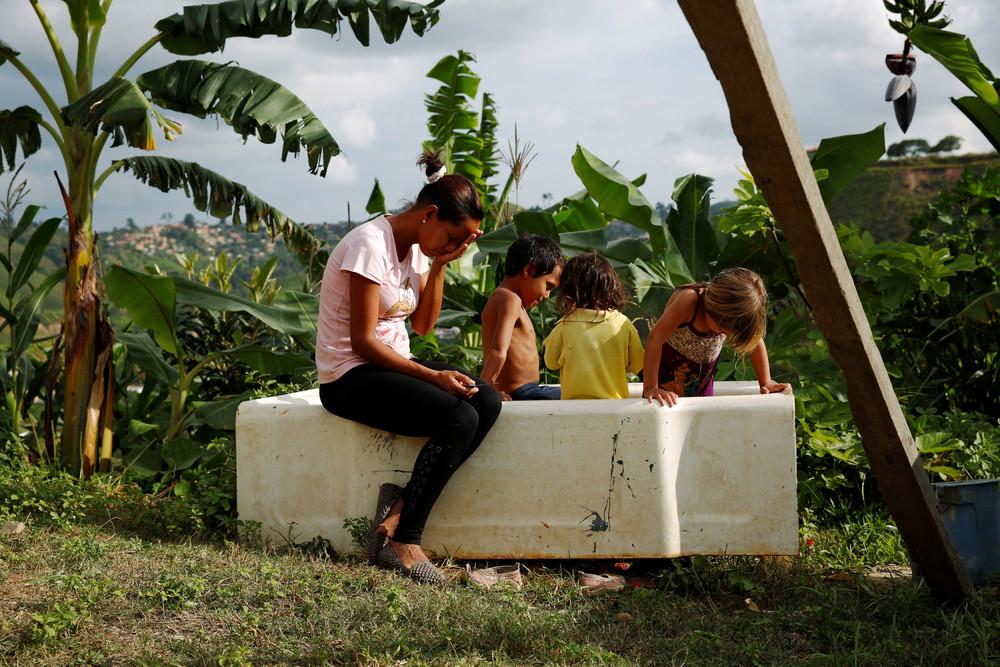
[
  {"x": 921, "y": 25},
  {"x": 130, "y": 111},
  {"x": 156, "y": 346},
  {"x": 20, "y": 313}
]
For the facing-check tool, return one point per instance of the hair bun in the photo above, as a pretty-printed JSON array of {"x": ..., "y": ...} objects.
[{"x": 433, "y": 166}]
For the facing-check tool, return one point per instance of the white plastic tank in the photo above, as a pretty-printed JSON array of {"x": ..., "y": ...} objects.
[{"x": 553, "y": 479}]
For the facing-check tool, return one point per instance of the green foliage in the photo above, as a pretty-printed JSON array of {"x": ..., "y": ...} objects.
[
  {"x": 921, "y": 26},
  {"x": 465, "y": 141},
  {"x": 120, "y": 108},
  {"x": 252, "y": 104},
  {"x": 376, "y": 200},
  {"x": 25, "y": 288},
  {"x": 845, "y": 158},
  {"x": 914, "y": 12},
  {"x": 205, "y": 28},
  {"x": 19, "y": 126}
]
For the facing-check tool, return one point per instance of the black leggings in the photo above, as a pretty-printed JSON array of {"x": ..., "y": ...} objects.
[{"x": 399, "y": 403}]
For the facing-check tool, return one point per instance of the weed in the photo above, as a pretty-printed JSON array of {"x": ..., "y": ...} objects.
[
  {"x": 53, "y": 623},
  {"x": 358, "y": 528}
]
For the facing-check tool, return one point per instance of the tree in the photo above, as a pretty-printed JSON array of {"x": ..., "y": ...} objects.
[
  {"x": 129, "y": 111},
  {"x": 917, "y": 147},
  {"x": 948, "y": 144},
  {"x": 908, "y": 148}
]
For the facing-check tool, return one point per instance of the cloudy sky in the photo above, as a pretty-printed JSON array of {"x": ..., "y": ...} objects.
[{"x": 625, "y": 79}]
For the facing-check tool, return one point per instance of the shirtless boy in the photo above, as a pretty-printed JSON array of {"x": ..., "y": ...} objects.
[{"x": 533, "y": 267}]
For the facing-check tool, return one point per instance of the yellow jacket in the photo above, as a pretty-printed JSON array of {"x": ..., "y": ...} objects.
[{"x": 592, "y": 349}]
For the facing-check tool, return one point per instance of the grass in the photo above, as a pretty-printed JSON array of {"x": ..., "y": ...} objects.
[
  {"x": 102, "y": 575},
  {"x": 90, "y": 595}
]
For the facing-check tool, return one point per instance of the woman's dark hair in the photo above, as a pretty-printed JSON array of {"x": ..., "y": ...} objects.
[
  {"x": 589, "y": 281},
  {"x": 540, "y": 252},
  {"x": 454, "y": 195}
]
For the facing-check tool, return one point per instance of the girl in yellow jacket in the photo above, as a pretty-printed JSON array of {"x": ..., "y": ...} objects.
[{"x": 593, "y": 345}]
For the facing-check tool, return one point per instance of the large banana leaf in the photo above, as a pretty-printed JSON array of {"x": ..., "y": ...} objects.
[
  {"x": 847, "y": 157},
  {"x": 85, "y": 15},
  {"x": 270, "y": 362},
  {"x": 147, "y": 356},
  {"x": 488, "y": 148},
  {"x": 956, "y": 53},
  {"x": 24, "y": 322},
  {"x": 150, "y": 301},
  {"x": 982, "y": 116},
  {"x": 32, "y": 254},
  {"x": 189, "y": 292},
  {"x": 252, "y": 104},
  {"x": 689, "y": 224},
  {"x": 619, "y": 198},
  {"x": 120, "y": 108},
  {"x": 205, "y": 28},
  {"x": 213, "y": 193},
  {"x": 451, "y": 121},
  {"x": 18, "y": 126}
]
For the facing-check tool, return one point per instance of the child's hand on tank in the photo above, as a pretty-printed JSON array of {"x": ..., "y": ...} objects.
[
  {"x": 504, "y": 396},
  {"x": 455, "y": 383},
  {"x": 661, "y": 396},
  {"x": 773, "y": 387}
]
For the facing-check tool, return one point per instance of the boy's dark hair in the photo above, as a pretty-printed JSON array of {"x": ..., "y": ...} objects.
[
  {"x": 539, "y": 252},
  {"x": 589, "y": 281}
]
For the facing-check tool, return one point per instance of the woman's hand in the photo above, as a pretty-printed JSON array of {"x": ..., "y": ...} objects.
[
  {"x": 455, "y": 383},
  {"x": 442, "y": 260},
  {"x": 661, "y": 396},
  {"x": 772, "y": 387}
]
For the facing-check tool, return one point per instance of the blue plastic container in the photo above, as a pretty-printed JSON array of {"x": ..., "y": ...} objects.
[{"x": 971, "y": 513}]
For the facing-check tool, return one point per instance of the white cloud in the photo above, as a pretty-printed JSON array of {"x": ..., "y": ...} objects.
[
  {"x": 342, "y": 171},
  {"x": 355, "y": 127}
]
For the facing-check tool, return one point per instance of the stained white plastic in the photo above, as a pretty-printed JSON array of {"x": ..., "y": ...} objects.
[{"x": 553, "y": 479}]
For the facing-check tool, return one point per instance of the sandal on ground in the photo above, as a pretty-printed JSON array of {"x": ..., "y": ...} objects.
[
  {"x": 594, "y": 584},
  {"x": 423, "y": 572},
  {"x": 388, "y": 494},
  {"x": 491, "y": 576}
]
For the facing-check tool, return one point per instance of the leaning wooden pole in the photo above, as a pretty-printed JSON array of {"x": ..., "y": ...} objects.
[{"x": 732, "y": 37}]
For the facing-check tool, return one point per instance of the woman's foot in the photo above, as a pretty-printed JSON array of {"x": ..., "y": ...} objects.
[
  {"x": 388, "y": 499},
  {"x": 408, "y": 554},
  {"x": 416, "y": 567},
  {"x": 387, "y": 527}
]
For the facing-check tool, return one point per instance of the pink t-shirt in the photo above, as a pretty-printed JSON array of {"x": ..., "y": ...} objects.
[{"x": 370, "y": 251}]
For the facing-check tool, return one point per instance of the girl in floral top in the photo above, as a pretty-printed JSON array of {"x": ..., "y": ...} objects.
[{"x": 683, "y": 348}]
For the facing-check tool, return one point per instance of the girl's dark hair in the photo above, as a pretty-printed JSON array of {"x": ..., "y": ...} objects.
[
  {"x": 589, "y": 281},
  {"x": 454, "y": 195},
  {"x": 541, "y": 253}
]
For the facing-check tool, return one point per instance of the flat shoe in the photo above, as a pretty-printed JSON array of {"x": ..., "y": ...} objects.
[
  {"x": 423, "y": 572},
  {"x": 594, "y": 584},
  {"x": 491, "y": 576},
  {"x": 388, "y": 494}
]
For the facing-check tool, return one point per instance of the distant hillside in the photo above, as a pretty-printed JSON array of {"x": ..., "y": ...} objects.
[
  {"x": 889, "y": 194},
  {"x": 139, "y": 247}
]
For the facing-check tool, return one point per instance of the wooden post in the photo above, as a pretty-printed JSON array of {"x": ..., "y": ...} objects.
[{"x": 732, "y": 37}]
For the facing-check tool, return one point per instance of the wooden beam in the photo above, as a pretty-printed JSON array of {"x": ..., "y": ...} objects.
[{"x": 732, "y": 37}]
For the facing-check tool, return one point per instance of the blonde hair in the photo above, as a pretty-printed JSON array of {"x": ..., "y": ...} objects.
[{"x": 737, "y": 300}]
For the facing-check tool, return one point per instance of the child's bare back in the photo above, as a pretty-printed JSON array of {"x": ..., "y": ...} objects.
[
  {"x": 503, "y": 316},
  {"x": 510, "y": 353}
]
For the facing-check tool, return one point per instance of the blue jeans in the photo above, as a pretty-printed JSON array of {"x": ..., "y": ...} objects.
[{"x": 535, "y": 392}]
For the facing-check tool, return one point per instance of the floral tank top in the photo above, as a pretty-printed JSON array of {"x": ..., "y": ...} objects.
[{"x": 689, "y": 357}]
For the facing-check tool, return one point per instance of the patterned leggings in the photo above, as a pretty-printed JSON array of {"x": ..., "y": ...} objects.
[{"x": 402, "y": 404}]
